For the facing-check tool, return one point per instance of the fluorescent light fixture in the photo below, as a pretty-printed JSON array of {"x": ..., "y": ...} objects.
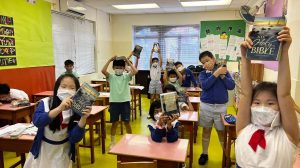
[
  {"x": 78, "y": 8},
  {"x": 137, "y": 6},
  {"x": 205, "y": 3}
]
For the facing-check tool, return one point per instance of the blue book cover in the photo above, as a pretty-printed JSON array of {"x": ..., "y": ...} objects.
[
  {"x": 84, "y": 96},
  {"x": 265, "y": 43}
]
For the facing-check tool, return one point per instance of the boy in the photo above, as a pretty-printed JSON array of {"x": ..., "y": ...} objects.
[
  {"x": 7, "y": 95},
  {"x": 155, "y": 87},
  {"x": 187, "y": 75},
  {"x": 214, "y": 83},
  {"x": 174, "y": 78},
  {"x": 69, "y": 66},
  {"x": 119, "y": 94}
]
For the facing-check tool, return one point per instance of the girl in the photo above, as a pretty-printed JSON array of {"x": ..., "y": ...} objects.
[
  {"x": 267, "y": 126},
  {"x": 58, "y": 127},
  {"x": 162, "y": 125}
]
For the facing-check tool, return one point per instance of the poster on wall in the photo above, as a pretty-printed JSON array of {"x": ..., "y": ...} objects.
[
  {"x": 7, "y": 42},
  {"x": 222, "y": 38}
]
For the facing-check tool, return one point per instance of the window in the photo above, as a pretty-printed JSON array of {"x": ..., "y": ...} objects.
[
  {"x": 73, "y": 39},
  {"x": 178, "y": 42}
]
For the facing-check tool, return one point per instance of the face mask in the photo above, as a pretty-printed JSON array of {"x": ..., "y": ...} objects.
[
  {"x": 119, "y": 72},
  {"x": 172, "y": 80},
  {"x": 155, "y": 64},
  {"x": 156, "y": 116},
  {"x": 180, "y": 68},
  {"x": 265, "y": 116},
  {"x": 64, "y": 93}
]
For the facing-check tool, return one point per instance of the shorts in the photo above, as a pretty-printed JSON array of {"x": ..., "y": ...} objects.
[
  {"x": 210, "y": 115},
  {"x": 117, "y": 109},
  {"x": 155, "y": 87}
]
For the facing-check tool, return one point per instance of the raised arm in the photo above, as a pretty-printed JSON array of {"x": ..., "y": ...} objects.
[
  {"x": 178, "y": 74},
  {"x": 104, "y": 69},
  {"x": 160, "y": 58},
  {"x": 133, "y": 69},
  {"x": 165, "y": 77},
  {"x": 244, "y": 113},
  {"x": 286, "y": 103},
  {"x": 151, "y": 56}
]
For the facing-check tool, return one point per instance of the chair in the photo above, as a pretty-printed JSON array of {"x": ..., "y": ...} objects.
[{"x": 143, "y": 164}]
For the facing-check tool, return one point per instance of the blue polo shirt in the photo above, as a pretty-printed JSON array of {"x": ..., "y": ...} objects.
[
  {"x": 214, "y": 90},
  {"x": 189, "y": 78}
]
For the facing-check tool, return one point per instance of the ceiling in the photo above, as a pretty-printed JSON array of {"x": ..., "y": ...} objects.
[{"x": 166, "y": 6}]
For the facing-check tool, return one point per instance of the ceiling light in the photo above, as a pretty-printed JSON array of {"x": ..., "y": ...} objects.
[
  {"x": 137, "y": 6},
  {"x": 205, "y": 3}
]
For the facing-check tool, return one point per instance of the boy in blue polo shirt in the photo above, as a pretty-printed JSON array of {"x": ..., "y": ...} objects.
[
  {"x": 119, "y": 93},
  {"x": 187, "y": 75},
  {"x": 214, "y": 81}
]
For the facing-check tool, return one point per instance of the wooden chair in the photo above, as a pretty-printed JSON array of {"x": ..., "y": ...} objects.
[{"x": 143, "y": 164}]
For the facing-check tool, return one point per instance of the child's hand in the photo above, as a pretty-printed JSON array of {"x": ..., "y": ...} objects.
[
  {"x": 162, "y": 120},
  {"x": 246, "y": 44},
  {"x": 285, "y": 37},
  {"x": 221, "y": 71},
  {"x": 158, "y": 50},
  {"x": 113, "y": 58},
  {"x": 170, "y": 119},
  {"x": 86, "y": 112},
  {"x": 66, "y": 104}
]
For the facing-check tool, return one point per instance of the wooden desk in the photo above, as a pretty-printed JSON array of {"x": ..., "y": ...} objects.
[
  {"x": 189, "y": 120},
  {"x": 229, "y": 136},
  {"x": 104, "y": 96},
  {"x": 21, "y": 145},
  {"x": 38, "y": 96},
  {"x": 141, "y": 148},
  {"x": 97, "y": 113},
  {"x": 105, "y": 84},
  {"x": 136, "y": 99},
  {"x": 195, "y": 101},
  {"x": 194, "y": 91},
  {"x": 98, "y": 86},
  {"x": 14, "y": 113}
]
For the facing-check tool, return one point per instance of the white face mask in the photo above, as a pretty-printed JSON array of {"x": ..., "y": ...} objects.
[
  {"x": 180, "y": 68},
  {"x": 64, "y": 93},
  {"x": 265, "y": 116},
  {"x": 119, "y": 72},
  {"x": 157, "y": 116},
  {"x": 172, "y": 80},
  {"x": 155, "y": 64}
]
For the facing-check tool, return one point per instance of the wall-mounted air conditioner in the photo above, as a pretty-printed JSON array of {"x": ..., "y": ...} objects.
[{"x": 72, "y": 7}]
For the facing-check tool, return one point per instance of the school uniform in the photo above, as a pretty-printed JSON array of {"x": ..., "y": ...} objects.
[
  {"x": 158, "y": 132},
  {"x": 188, "y": 78},
  {"x": 214, "y": 97},
  {"x": 155, "y": 86},
  {"x": 53, "y": 149}
]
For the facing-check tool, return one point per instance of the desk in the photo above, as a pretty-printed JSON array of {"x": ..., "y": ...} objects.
[
  {"x": 105, "y": 84},
  {"x": 104, "y": 96},
  {"x": 21, "y": 145},
  {"x": 38, "y": 96},
  {"x": 195, "y": 101},
  {"x": 189, "y": 119},
  {"x": 14, "y": 113},
  {"x": 194, "y": 91},
  {"x": 136, "y": 92},
  {"x": 229, "y": 136},
  {"x": 98, "y": 87},
  {"x": 141, "y": 148},
  {"x": 97, "y": 113}
]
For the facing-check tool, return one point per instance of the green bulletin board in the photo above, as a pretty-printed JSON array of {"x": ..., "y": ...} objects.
[
  {"x": 222, "y": 38},
  {"x": 25, "y": 34}
]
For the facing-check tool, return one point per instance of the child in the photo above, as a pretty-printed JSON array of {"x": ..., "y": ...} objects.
[
  {"x": 7, "y": 95},
  {"x": 187, "y": 75},
  {"x": 183, "y": 99},
  {"x": 119, "y": 94},
  {"x": 162, "y": 125},
  {"x": 174, "y": 78},
  {"x": 267, "y": 127},
  {"x": 58, "y": 127},
  {"x": 69, "y": 66},
  {"x": 155, "y": 87},
  {"x": 214, "y": 83}
]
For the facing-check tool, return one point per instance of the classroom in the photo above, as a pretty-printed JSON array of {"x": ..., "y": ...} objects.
[{"x": 149, "y": 83}]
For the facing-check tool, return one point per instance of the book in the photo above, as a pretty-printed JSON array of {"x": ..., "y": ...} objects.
[
  {"x": 169, "y": 103},
  {"x": 264, "y": 34},
  {"x": 84, "y": 96},
  {"x": 156, "y": 47},
  {"x": 137, "y": 50}
]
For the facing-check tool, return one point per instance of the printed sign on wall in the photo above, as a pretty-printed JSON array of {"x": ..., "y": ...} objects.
[{"x": 7, "y": 42}]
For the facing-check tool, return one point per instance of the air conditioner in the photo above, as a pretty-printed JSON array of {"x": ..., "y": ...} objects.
[{"x": 72, "y": 7}]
